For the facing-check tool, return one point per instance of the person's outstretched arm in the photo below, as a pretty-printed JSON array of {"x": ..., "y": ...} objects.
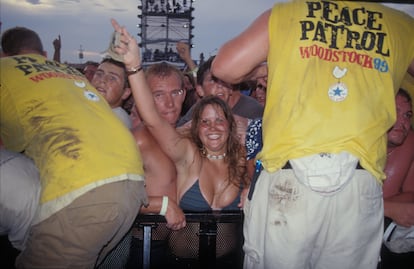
[
  {"x": 183, "y": 49},
  {"x": 169, "y": 139},
  {"x": 239, "y": 56}
]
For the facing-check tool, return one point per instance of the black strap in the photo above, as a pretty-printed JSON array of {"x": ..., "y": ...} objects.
[
  {"x": 257, "y": 171},
  {"x": 259, "y": 168},
  {"x": 288, "y": 166}
]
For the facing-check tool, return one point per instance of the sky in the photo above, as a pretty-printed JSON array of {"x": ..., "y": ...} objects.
[{"x": 86, "y": 23}]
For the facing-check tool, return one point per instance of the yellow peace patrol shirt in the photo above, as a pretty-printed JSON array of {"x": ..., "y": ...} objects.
[
  {"x": 332, "y": 83},
  {"x": 51, "y": 112}
]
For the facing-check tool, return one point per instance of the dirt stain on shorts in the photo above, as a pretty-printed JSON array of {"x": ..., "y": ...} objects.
[{"x": 282, "y": 197}]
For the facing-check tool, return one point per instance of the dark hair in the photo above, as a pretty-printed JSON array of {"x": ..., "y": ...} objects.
[
  {"x": 235, "y": 152},
  {"x": 163, "y": 70},
  {"x": 112, "y": 61},
  {"x": 203, "y": 69},
  {"x": 190, "y": 96},
  {"x": 91, "y": 63},
  {"x": 190, "y": 78},
  {"x": 17, "y": 39},
  {"x": 404, "y": 94},
  {"x": 119, "y": 64}
]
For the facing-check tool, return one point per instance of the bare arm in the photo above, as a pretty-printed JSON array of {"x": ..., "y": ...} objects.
[
  {"x": 174, "y": 215},
  {"x": 400, "y": 207},
  {"x": 183, "y": 50},
  {"x": 239, "y": 56},
  {"x": 169, "y": 139},
  {"x": 400, "y": 213}
]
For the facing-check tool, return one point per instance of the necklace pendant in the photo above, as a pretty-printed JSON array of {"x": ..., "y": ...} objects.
[{"x": 216, "y": 157}]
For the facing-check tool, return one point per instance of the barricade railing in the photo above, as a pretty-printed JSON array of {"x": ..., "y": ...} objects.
[{"x": 207, "y": 234}]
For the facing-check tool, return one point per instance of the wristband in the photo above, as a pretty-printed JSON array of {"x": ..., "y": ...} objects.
[
  {"x": 133, "y": 70},
  {"x": 164, "y": 206}
]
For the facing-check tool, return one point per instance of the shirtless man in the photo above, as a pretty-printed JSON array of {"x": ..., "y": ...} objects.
[
  {"x": 166, "y": 83},
  {"x": 398, "y": 188}
]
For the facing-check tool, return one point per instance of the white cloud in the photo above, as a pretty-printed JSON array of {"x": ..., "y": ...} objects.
[{"x": 87, "y": 23}]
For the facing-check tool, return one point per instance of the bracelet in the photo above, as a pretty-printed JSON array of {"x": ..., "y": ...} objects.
[
  {"x": 133, "y": 70},
  {"x": 164, "y": 206}
]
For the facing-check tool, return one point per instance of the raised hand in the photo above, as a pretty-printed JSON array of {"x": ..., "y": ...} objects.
[
  {"x": 127, "y": 46},
  {"x": 57, "y": 43},
  {"x": 183, "y": 50}
]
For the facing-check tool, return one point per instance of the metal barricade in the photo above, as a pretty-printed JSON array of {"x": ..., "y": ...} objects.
[{"x": 207, "y": 235}]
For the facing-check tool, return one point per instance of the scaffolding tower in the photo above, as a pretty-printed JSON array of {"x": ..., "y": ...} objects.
[{"x": 163, "y": 23}]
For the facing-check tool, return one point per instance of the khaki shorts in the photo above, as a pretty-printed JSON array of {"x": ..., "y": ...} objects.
[{"x": 81, "y": 234}]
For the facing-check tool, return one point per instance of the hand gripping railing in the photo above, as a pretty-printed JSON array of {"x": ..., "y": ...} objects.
[{"x": 207, "y": 233}]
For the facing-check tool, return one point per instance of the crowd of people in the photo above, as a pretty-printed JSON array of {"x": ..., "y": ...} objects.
[{"x": 307, "y": 132}]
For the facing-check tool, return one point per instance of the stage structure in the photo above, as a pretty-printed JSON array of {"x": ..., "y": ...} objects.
[{"x": 162, "y": 24}]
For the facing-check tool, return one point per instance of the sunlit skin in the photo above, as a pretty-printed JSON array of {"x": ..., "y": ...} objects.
[
  {"x": 167, "y": 101},
  {"x": 214, "y": 86},
  {"x": 109, "y": 80},
  {"x": 214, "y": 130},
  {"x": 398, "y": 188},
  {"x": 159, "y": 182}
]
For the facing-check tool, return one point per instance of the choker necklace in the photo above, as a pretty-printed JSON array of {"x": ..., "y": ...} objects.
[{"x": 216, "y": 157}]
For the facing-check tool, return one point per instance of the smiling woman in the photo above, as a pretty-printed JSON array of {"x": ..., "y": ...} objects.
[{"x": 203, "y": 184}]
